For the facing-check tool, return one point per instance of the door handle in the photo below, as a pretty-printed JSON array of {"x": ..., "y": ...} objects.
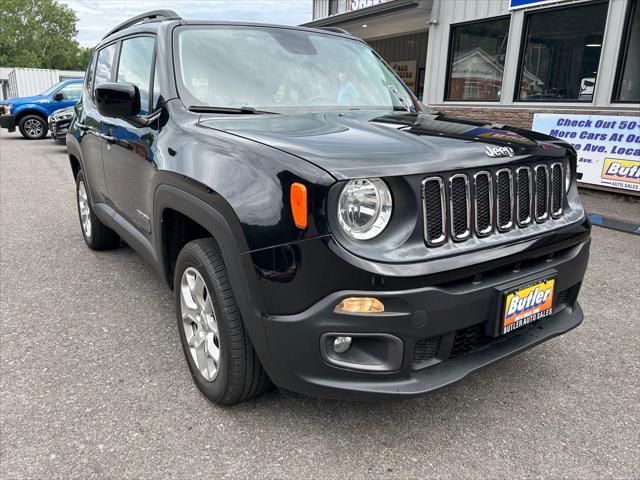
[{"x": 107, "y": 138}]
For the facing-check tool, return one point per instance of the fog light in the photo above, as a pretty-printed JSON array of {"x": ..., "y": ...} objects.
[
  {"x": 360, "y": 305},
  {"x": 341, "y": 344}
]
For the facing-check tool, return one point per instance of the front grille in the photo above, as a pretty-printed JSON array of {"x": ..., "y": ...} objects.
[
  {"x": 483, "y": 203},
  {"x": 434, "y": 211},
  {"x": 556, "y": 190},
  {"x": 459, "y": 206},
  {"x": 504, "y": 182},
  {"x": 561, "y": 298},
  {"x": 469, "y": 339},
  {"x": 523, "y": 199},
  {"x": 542, "y": 193},
  {"x": 425, "y": 350}
]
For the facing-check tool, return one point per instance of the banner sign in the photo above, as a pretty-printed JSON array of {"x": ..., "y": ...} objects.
[
  {"x": 608, "y": 146},
  {"x": 513, "y": 4},
  {"x": 358, "y": 4},
  {"x": 406, "y": 70}
]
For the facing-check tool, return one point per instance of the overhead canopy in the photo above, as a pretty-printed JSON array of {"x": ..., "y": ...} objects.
[{"x": 395, "y": 17}]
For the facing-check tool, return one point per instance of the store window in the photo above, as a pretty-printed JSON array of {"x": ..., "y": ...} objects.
[
  {"x": 561, "y": 53},
  {"x": 476, "y": 64},
  {"x": 628, "y": 78}
]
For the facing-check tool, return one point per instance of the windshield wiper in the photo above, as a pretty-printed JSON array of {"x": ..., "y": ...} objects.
[
  {"x": 400, "y": 98},
  {"x": 398, "y": 108},
  {"x": 232, "y": 110}
]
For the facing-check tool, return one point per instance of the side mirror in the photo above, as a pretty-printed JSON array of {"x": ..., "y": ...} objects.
[
  {"x": 119, "y": 100},
  {"x": 58, "y": 97}
]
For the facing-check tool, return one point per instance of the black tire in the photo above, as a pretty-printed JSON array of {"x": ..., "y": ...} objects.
[
  {"x": 240, "y": 374},
  {"x": 98, "y": 236},
  {"x": 33, "y": 127}
]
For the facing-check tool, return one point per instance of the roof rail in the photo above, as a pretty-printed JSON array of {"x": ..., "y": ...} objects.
[
  {"x": 153, "y": 15},
  {"x": 335, "y": 30}
]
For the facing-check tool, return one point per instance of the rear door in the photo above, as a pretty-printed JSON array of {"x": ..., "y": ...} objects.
[{"x": 129, "y": 150}]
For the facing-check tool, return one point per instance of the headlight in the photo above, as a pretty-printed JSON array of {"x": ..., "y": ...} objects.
[
  {"x": 567, "y": 176},
  {"x": 364, "y": 208},
  {"x": 6, "y": 109}
]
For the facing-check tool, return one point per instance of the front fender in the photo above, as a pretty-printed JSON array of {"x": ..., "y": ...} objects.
[
  {"x": 28, "y": 108},
  {"x": 226, "y": 234},
  {"x": 253, "y": 179}
]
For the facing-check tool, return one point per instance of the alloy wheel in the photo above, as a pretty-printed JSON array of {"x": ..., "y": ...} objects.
[
  {"x": 83, "y": 206},
  {"x": 200, "y": 324},
  {"x": 33, "y": 127}
]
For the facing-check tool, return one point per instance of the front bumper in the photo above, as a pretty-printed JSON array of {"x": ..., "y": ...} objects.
[
  {"x": 441, "y": 330},
  {"x": 59, "y": 128},
  {"x": 8, "y": 122}
]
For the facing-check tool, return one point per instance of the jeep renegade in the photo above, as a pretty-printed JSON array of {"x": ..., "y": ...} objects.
[{"x": 320, "y": 227}]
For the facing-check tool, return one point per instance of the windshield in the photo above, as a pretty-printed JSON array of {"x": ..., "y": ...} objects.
[
  {"x": 277, "y": 68},
  {"x": 51, "y": 89}
]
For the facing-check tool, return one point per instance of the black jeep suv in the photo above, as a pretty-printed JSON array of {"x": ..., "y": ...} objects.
[{"x": 320, "y": 227}]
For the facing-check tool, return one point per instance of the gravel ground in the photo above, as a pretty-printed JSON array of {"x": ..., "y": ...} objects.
[{"x": 93, "y": 383}]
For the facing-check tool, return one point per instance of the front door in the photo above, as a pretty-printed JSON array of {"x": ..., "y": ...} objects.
[
  {"x": 88, "y": 122},
  {"x": 129, "y": 149},
  {"x": 67, "y": 96}
]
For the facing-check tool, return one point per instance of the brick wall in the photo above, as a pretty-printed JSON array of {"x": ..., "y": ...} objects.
[{"x": 517, "y": 117}]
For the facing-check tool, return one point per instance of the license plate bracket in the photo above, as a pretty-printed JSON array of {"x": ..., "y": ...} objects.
[{"x": 523, "y": 302}]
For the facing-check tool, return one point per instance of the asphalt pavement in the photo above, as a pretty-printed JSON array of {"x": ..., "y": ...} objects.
[{"x": 93, "y": 383}]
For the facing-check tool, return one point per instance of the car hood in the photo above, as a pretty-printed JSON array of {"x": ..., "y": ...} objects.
[
  {"x": 364, "y": 144},
  {"x": 62, "y": 111},
  {"x": 22, "y": 100}
]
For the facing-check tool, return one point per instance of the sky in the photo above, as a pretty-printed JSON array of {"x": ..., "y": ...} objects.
[{"x": 97, "y": 17}]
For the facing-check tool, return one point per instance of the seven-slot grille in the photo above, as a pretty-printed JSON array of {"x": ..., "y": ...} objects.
[{"x": 458, "y": 206}]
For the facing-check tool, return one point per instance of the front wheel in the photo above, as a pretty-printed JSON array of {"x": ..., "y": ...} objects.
[
  {"x": 218, "y": 350},
  {"x": 33, "y": 127}
]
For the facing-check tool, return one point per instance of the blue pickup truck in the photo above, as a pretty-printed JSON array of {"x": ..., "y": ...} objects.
[{"x": 30, "y": 114}]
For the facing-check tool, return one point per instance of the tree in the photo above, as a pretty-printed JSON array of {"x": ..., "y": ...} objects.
[{"x": 39, "y": 34}]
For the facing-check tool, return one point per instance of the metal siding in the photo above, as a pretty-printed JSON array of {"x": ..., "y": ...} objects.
[
  {"x": 405, "y": 47},
  {"x": 24, "y": 82},
  {"x": 320, "y": 9}
]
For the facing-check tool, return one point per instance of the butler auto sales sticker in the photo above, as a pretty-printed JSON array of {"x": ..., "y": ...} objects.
[
  {"x": 608, "y": 146},
  {"x": 528, "y": 304}
]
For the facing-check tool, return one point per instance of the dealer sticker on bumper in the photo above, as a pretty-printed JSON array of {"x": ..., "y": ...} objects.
[{"x": 528, "y": 304}]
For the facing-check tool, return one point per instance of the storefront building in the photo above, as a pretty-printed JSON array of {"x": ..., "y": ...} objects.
[{"x": 511, "y": 61}]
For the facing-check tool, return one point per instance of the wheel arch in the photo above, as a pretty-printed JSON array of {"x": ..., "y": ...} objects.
[
  {"x": 31, "y": 109},
  {"x": 76, "y": 166},
  {"x": 206, "y": 219}
]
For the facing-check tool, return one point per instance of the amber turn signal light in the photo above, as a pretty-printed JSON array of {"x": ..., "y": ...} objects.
[
  {"x": 360, "y": 305},
  {"x": 299, "y": 205}
]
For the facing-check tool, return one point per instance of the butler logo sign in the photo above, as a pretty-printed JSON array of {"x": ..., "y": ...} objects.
[
  {"x": 621, "y": 170},
  {"x": 608, "y": 146}
]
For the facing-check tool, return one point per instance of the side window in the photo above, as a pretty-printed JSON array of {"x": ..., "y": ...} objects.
[
  {"x": 71, "y": 91},
  {"x": 157, "y": 93},
  {"x": 105, "y": 64},
  {"x": 136, "y": 58},
  {"x": 88, "y": 76}
]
